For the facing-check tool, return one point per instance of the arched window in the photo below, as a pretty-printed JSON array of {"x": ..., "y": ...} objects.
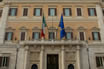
[
  {"x": 70, "y": 66},
  {"x": 34, "y": 66}
]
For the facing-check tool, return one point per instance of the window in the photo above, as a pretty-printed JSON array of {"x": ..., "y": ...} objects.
[
  {"x": 69, "y": 35},
  {"x": 13, "y": 12},
  {"x": 4, "y": 61},
  {"x": 52, "y": 12},
  {"x": 96, "y": 36},
  {"x": 1, "y": 0},
  {"x": 34, "y": 66},
  {"x": 67, "y": 12},
  {"x": 91, "y": 11},
  {"x": 51, "y": 35},
  {"x": 9, "y": 36},
  {"x": 1, "y": 12},
  {"x": 100, "y": 61},
  {"x": 103, "y": 11},
  {"x": 25, "y": 11},
  {"x": 81, "y": 35},
  {"x": 70, "y": 66},
  {"x": 37, "y": 11},
  {"x": 79, "y": 12},
  {"x": 23, "y": 36},
  {"x": 36, "y": 35}
]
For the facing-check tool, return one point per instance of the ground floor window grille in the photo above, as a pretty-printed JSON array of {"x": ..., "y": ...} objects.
[
  {"x": 100, "y": 61},
  {"x": 4, "y": 61}
]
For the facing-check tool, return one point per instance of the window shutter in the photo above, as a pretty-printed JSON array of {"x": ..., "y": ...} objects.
[
  {"x": 93, "y": 36},
  {"x": 39, "y": 35},
  {"x": 40, "y": 11},
  {"x": 48, "y": 11},
  {"x": 6, "y": 34},
  {"x": 33, "y": 35},
  {"x": 95, "y": 12},
  {"x": 0, "y": 61},
  {"x": 99, "y": 36},
  {"x": 1, "y": 12},
  {"x": 9, "y": 11},
  {"x": 16, "y": 12},
  {"x": 70, "y": 11},
  {"x": 22, "y": 35},
  {"x": 71, "y": 35},
  {"x": 88, "y": 11},
  {"x": 12, "y": 36},
  {"x": 81, "y": 35},
  {"x": 7, "y": 61},
  {"x": 34, "y": 13},
  {"x": 55, "y": 12},
  {"x": 64, "y": 11}
]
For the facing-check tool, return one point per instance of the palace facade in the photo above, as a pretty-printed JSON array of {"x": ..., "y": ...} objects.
[{"x": 21, "y": 46}]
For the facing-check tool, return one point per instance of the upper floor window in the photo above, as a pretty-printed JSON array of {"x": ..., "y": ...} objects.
[
  {"x": 103, "y": 11},
  {"x": 9, "y": 36},
  {"x": 37, "y": 11},
  {"x": 69, "y": 35},
  {"x": 23, "y": 36},
  {"x": 81, "y": 36},
  {"x": 102, "y": 0},
  {"x": 100, "y": 61},
  {"x": 36, "y": 35},
  {"x": 25, "y": 11},
  {"x": 96, "y": 36},
  {"x": 67, "y": 12},
  {"x": 91, "y": 11},
  {"x": 51, "y": 35},
  {"x": 1, "y": 12},
  {"x": 1, "y": 0},
  {"x": 52, "y": 12},
  {"x": 4, "y": 61},
  {"x": 79, "y": 12},
  {"x": 13, "y": 12}
]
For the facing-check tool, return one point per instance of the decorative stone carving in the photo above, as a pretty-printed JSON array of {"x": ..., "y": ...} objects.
[
  {"x": 70, "y": 56},
  {"x": 34, "y": 56}
]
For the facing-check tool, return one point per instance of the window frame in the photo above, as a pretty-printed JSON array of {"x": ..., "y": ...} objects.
[
  {"x": 23, "y": 12},
  {"x": 34, "y": 11},
  {"x": 95, "y": 12},
  {"x": 55, "y": 9},
  {"x": 81, "y": 12},
  {"x": 84, "y": 35},
  {"x": 34, "y": 37},
  {"x": 70, "y": 11},
  {"x": 25, "y": 35},
  {"x": 16, "y": 13}
]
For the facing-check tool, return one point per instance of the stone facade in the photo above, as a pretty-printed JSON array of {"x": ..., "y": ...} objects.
[{"x": 23, "y": 54}]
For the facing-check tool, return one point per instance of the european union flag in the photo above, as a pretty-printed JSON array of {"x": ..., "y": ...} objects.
[{"x": 61, "y": 25}]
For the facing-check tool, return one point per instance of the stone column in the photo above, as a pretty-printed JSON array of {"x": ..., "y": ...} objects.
[
  {"x": 26, "y": 57},
  {"x": 100, "y": 21},
  {"x": 78, "y": 57},
  {"x": 63, "y": 59},
  {"x": 3, "y": 22},
  {"x": 42, "y": 57}
]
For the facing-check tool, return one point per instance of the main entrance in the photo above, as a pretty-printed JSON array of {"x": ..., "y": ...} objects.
[{"x": 52, "y": 61}]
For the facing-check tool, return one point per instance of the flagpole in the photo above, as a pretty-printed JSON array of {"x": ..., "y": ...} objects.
[{"x": 52, "y": 28}]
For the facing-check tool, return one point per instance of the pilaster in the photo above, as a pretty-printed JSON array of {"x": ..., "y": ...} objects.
[
  {"x": 100, "y": 21},
  {"x": 42, "y": 57},
  {"x": 78, "y": 57},
  {"x": 63, "y": 59},
  {"x": 3, "y": 23}
]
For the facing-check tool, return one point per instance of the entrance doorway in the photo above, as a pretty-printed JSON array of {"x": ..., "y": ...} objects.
[{"x": 52, "y": 61}]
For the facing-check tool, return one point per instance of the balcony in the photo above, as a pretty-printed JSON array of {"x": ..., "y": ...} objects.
[{"x": 53, "y": 42}]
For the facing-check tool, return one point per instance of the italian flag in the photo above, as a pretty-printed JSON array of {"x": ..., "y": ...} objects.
[{"x": 43, "y": 27}]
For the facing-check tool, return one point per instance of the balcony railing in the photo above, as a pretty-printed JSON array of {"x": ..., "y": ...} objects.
[{"x": 51, "y": 0}]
